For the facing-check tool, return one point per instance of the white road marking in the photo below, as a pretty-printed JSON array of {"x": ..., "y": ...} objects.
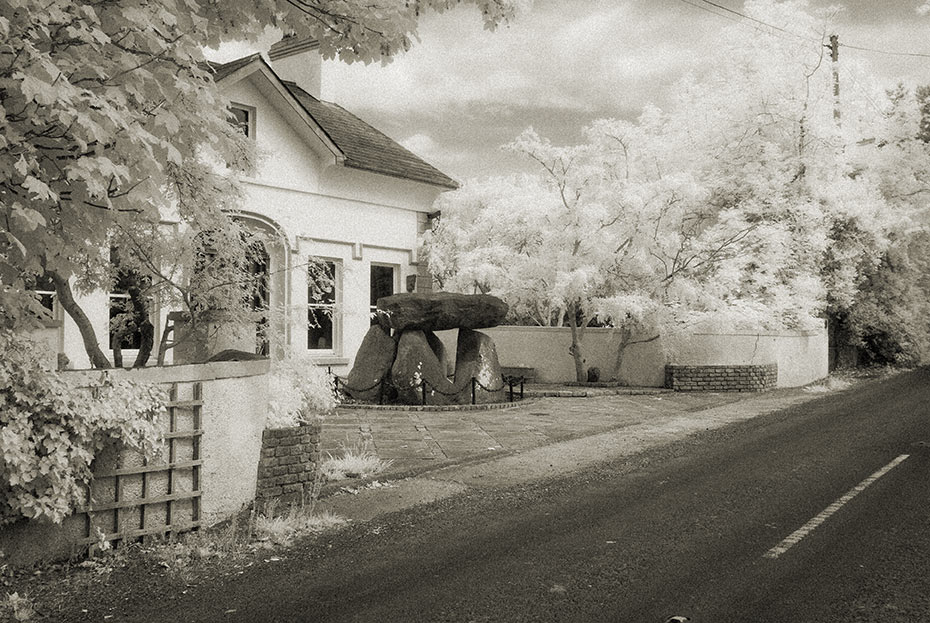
[{"x": 807, "y": 528}]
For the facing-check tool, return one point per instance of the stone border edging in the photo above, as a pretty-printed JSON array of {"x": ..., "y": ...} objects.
[{"x": 491, "y": 406}]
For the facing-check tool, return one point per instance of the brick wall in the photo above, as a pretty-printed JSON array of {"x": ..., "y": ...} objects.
[
  {"x": 288, "y": 465},
  {"x": 743, "y": 378}
]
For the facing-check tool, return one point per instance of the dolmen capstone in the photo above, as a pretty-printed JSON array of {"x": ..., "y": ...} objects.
[{"x": 402, "y": 354}]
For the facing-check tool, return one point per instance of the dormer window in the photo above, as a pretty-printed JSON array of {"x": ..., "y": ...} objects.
[{"x": 243, "y": 117}]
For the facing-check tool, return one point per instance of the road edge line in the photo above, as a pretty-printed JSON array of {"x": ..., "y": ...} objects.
[{"x": 825, "y": 514}]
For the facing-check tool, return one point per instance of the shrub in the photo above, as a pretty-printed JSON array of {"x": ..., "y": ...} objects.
[
  {"x": 300, "y": 391},
  {"x": 51, "y": 430}
]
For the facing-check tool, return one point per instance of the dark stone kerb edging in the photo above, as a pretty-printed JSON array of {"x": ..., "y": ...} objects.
[
  {"x": 593, "y": 392},
  {"x": 496, "y": 406}
]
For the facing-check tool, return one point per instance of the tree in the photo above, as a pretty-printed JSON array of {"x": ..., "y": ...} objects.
[
  {"x": 110, "y": 120},
  {"x": 745, "y": 205},
  {"x": 888, "y": 319},
  {"x": 599, "y": 236}
]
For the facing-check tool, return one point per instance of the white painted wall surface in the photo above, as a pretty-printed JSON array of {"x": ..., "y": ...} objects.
[
  {"x": 235, "y": 403},
  {"x": 545, "y": 349},
  {"x": 802, "y": 359},
  {"x": 801, "y": 356}
]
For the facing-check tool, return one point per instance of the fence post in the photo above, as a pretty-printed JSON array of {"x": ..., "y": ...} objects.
[
  {"x": 521, "y": 387},
  {"x": 474, "y": 381},
  {"x": 381, "y": 390},
  {"x": 423, "y": 388},
  {"x": 510, "y": 382}
]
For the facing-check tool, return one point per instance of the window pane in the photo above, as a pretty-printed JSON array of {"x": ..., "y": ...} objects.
[
  {"x": 321, "y": 289},
  {"x": 241, "y": 119},
  {"x": 123, "y": 323},
  {"x": 382, "y": 282},
  {"x": 44, "y": 288},
  {"x": 320, "y": 328}
]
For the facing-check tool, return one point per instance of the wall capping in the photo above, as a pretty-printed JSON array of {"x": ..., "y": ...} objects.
[{"x": 180, "y": 373}]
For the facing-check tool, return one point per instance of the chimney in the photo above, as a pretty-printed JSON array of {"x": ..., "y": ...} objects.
[{"x": 298, "y": 60}]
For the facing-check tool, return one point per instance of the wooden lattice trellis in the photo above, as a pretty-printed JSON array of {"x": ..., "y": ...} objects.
[{"x": 136, "y": 498}]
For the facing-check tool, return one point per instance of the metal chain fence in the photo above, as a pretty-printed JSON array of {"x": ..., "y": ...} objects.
[{"x": 384, "y": 383}]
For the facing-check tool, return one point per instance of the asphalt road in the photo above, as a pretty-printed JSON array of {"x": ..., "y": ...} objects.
[{"x": 679, "y": 530}]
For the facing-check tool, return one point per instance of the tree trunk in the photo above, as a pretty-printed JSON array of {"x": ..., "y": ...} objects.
[
  {"x": 140, "y": 310},
  {"x": 66, "y": 298},
  {"x": 148, "y": 342},
  {"x": 626, "y": 340},
  {"x": 575, "y": 349}
]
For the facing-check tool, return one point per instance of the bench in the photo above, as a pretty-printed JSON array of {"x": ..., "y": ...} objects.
[{"x": 528, "y": 374}]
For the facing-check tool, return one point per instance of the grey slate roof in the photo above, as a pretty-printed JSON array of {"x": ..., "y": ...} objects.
[
  {"x": 221, "y": 70},
  {"x": 365, "y": 147}
]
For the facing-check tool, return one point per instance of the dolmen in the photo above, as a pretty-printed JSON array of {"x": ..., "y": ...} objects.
[{"x": 401, "y": 353}]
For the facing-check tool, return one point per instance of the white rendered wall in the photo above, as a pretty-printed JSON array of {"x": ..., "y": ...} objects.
[
  {"x": 352, "y": 217},
  {"x": 801, "y": 356}
]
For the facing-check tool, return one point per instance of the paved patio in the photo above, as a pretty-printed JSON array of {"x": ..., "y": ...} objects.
[{"x": 414, "y": 440}]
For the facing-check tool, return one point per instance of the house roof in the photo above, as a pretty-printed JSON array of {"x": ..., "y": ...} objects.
[
  {"x": 364, "y": 147},
  {"x": 223, "y": 70}
]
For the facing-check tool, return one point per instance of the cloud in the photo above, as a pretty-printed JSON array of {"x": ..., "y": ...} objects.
[
  {"x": 585, "y": 59},
  {"x": 462, "y": 91}
]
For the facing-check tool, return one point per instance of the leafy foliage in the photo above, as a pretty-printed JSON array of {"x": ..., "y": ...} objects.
[
  {"x": 51, "y": 430},
  {"x": 111, "y": 123},
  {"x": 745, "y": 205},
  {"x": 301, "y": 391}
]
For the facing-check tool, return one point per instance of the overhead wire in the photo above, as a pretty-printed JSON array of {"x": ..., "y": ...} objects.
[
  {"x": 704, "y": 8},
  {"x": 860, "y": 48}
]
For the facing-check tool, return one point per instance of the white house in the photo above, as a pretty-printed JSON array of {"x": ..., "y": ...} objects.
[{"x": 332, "y": 187}]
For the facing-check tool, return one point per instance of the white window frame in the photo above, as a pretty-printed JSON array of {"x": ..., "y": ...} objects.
[
  {"x": 394, "y": 287},
  {"x": 250, "y": 111},
  {"x": 335, "y": 306}
]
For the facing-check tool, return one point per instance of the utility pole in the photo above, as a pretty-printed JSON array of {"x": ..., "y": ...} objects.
[{"x": 835, "y": 57}]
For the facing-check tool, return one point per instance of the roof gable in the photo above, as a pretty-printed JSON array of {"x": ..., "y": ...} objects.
[
  {"x": 248, "y": 66},
  {"x": 355, "y": 143}
]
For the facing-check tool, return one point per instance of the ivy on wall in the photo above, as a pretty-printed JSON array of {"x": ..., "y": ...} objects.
[{"x": 51, "y": 429}]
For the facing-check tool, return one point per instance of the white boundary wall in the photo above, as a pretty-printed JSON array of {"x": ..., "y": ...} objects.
[
  {"x": 802, "y": 356},
  {"x": 235, "y": 403}
]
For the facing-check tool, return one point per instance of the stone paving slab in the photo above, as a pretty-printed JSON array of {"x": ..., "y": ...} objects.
[{"x": 420, "y": 438}]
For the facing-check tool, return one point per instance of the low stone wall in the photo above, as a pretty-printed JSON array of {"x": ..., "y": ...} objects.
[
  {"x": 738, "y": 378},
  {"x": 289, "y": 464}
]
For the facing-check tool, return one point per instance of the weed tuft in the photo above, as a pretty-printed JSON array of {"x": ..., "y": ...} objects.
[
  {"x": 357, "y": 461},
  {"x": 17, "y": 607}
]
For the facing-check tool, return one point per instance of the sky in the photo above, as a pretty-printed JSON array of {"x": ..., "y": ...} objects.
[{"x": 462, "y": 91}]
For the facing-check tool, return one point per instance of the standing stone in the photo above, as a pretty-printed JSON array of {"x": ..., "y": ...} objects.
[
  {"x": 373, "y": 361},
  {"x": 416, "y": 363},
  {"x": 476, "y": 357},
  {"x": 440, "y": 351},
  {"x": 439, "y": 311}
]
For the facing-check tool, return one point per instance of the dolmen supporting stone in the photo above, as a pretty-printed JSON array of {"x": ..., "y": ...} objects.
[
  {"x": 417, "y": 366},
  {"x": 372, "y": 365},
  {"x": 476, "y": 358},
  {"x": 415, "y": 357}
]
